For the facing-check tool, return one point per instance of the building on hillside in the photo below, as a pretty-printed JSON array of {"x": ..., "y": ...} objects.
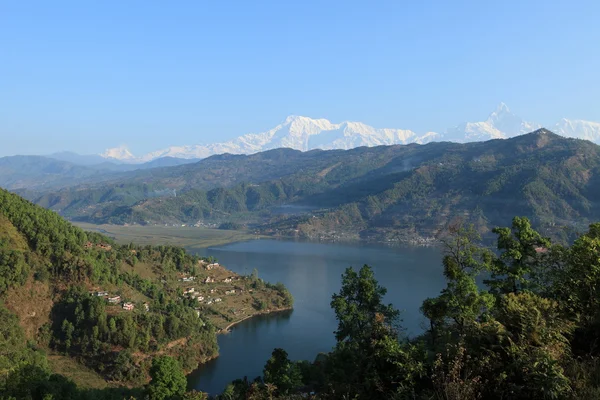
[
  {"x": 232, "y": 291},
  {"x": 102, "y": 294},
  {"x": 218, "y": 299},
  {"x": 128, "y": 306},
  {"x": 114, "y": 299},
  {"x": 146, "y": 307},
  {"x": 189, "y": 290},
  {"x": 200, "y": 298},
  {"x": 209, "y": 279}
]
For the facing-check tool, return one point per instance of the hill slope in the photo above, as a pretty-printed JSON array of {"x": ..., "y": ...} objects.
[{"x": 108, "y": 306}]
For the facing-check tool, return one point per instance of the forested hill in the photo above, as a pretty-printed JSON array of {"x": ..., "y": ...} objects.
[
  {"x": 387, "y": 192},
  {"x": 105, "y": 310}
]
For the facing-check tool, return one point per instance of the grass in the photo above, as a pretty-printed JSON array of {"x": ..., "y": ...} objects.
[
  {"x": 11, "y": 235},
  {"x": 80, "y": 374},
  {"x": 189, "y": 237}
]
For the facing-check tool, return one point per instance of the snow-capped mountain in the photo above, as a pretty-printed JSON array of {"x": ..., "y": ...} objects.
[
  {"x": 296, "y": 132},
  {"x": 578, "y": 129},
  {"x": 303, "y": 133},
  {"x": 500, "y": 124},
  {"x": 120, "y": 153}
]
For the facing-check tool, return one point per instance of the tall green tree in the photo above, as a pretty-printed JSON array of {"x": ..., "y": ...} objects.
[
  {"x": 357, "y": 306},
  {"x": 282, "y": 372},
  {"x": 168, "y": 380},
  {"x": 369, "y": 360},
  {"x": 519, "y": 262},
  {"x": 461, "y": 302}
]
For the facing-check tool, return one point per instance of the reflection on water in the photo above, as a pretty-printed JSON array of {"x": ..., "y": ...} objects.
[{"x": 312, "y": 273}]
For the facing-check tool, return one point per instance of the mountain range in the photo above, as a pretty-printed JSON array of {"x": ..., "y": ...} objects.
[
  {"x": 397, "y": 192},
  {"x": 304, "y": 133}
]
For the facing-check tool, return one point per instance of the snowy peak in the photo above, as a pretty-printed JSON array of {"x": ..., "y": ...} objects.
[
  {"x": 120, "y": 153},
  {"x": 500, "y": 124},
  {"x": 580, "y": 129},
  {"x": 304, "y": 133}
]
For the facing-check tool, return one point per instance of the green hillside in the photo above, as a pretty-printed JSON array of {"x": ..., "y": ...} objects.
[{"x": 104, "y": 311}]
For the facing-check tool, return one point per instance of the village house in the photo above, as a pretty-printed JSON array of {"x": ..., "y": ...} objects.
[
  {"x": 146, "y": 307},
  {"x": 209, "y": 279},
  {"x": 128, "y": 306},
  {"x": 114, "y": 299},
  {"x": 88, "y": 245},
  {"x": 188, "y": 290},
  {"x": 218, "y": 299},
  {"x": 227, "y": 280},
  {"x": 232, "y": 291},
  {"x": 200, "y": 298}
]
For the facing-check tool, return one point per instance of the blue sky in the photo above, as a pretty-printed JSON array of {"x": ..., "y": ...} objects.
[{"x": 86, "y": 75}]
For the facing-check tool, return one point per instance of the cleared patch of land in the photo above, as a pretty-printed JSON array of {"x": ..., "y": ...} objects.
[
  {"x": 80, "y": 374},
  {"x": 185, "y": 236}
]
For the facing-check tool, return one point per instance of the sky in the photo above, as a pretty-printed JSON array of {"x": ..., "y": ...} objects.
[{"x": 83, "y": 76}]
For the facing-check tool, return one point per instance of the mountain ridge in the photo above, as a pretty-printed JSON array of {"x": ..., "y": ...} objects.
[
  {"x": 362, "y": 193},
  {"x": 304, "y": 133}
]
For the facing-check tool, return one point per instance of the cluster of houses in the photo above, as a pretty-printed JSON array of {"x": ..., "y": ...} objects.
[
  {"x": 187, "y": 279},
  {"x": 192, "y": 294},
  {"x": 102, "y": 246},
  {"x": 211, "y": 266},
  {"x": 116, "y": 299}
]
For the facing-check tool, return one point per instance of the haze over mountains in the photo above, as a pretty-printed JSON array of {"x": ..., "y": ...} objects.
[{"x": 304, "y": 133}]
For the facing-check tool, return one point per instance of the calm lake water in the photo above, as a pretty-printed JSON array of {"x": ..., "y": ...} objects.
[{"x": 312, "y": 272}]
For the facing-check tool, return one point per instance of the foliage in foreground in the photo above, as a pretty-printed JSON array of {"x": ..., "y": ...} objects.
[{"x": 530, "y": 331}]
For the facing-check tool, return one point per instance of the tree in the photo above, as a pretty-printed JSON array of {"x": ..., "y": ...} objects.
[
  {"x": 368, "y": 359},
  {"x": 579, "y": 289},
  {"x": 461, "y": 301},
  {"x": 281, "y": 372},
  {"x": 168, "y": 380},
  {"x": 357, "y": 305},
  {"x": 519, "y": 262}
]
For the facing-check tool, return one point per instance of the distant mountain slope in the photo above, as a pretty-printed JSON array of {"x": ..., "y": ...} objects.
[
  {"x": 368, "y": 191},
  {"x": 18, "y": 172},
  {"x": 303, "y": 133},
  {"x": 42, "y": 173}
]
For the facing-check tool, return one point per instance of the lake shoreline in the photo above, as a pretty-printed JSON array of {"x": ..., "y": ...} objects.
[{"x": 227, "y": 329}]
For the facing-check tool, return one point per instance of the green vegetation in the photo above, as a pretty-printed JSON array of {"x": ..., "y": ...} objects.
[
  {"x": 187, "y": 236},
  {"x": 529, "y": 332},
  {"x": 388, "y": 193},
  {"x": 117, "y": 311}
]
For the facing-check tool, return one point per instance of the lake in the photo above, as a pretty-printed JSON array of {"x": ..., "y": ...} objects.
[{"x": 312, "y": 272}]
